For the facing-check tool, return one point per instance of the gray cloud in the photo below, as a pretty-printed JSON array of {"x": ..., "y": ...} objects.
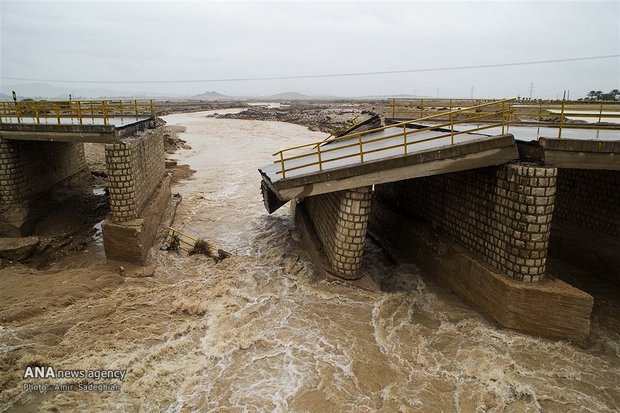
[{"x": 199, "y": 40}]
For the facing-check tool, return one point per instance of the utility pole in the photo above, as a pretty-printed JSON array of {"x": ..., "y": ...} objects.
[{"x": 531, "y": 89}]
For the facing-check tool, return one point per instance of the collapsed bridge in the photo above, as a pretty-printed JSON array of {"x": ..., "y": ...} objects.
[
  {"x": 482, "y": 183},
  {"x": 42, "y": 147}
]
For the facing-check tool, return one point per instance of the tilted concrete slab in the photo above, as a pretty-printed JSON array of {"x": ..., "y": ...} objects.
[
  {"x": 73, "y": 133},
  {"x": 470, "y": 154},
  {"x": 377, "y": 145}
]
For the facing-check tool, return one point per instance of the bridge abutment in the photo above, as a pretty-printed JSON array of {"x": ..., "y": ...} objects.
[
  {"x": 28, "y": 171},
  {"x": 139, "y": 193},
  {"x": 585, "y": 236},
  {"x": 590, "y": 198}
]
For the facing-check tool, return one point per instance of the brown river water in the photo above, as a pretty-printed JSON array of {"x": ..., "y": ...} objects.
[{"x": 246, "y": 335}]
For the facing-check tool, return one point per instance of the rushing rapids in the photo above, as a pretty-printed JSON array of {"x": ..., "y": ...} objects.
[{"x": 246, "y": 334}]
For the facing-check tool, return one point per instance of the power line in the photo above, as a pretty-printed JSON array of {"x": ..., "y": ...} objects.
[{"x": 384, "y": 72}]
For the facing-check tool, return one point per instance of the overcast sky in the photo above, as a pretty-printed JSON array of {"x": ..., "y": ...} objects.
[{"x": 173, "y": 40}]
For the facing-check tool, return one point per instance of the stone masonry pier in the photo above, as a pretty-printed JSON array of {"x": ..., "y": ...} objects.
[
  {"x": 340, "y": 220},
  {"x": 502, "y": 214},
  {"x": 139, "y": 193}
]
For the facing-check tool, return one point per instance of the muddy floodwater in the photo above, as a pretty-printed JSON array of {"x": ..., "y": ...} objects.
[{"x": 245, "y": 334}]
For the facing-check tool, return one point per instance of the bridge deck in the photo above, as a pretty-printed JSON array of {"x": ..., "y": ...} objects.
[
  {"x": 428, "y": 153},
  {"x": 68, "y": 132},
  {"x": 113, "y": 121},
  {"x": 101, "y": 121},
  {"x": 380, "y": 157},
  {"x": 344, "y": 153}
]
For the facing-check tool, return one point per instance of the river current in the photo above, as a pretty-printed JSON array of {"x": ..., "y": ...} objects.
[{"x": 246, "y": 334}]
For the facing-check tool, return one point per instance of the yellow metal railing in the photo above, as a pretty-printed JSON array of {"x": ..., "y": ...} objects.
[
  {"x": 493, "y": 114},
  {"x": 550, "y": 113},
  {"x": 420, "y": 107},
  {"x": 78, "y": 111}
]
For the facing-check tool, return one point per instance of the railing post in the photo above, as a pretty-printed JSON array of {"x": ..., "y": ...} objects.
[
  {"x": 36, "y": 111},
  {"x": 422, "y": 108},
  {"x": 539, "y": 112},
  {"x": 104, "y": 110},
  {"x": 318, "y": 152},
  {"x": 152, "y": 109},
  {"x": 451, "y": 127},
  {"x": 58, "y": 112},
  {"x": 393, "y": 108},
  {"x": 79, "y": 109},
  {"x": 359, "y": 138},
  {"x": 282, "y": 163},
  {"x": 405, "y": 137},
  {"x": 600, "y": 114},
  {"x": 135, "y": 102},
  {"x": 503, "y": 117},
  {"x": 561, "y": 121}
]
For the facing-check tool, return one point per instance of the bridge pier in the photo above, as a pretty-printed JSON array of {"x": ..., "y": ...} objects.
[
  {"x": 502, "y": 214},
  {"x": 28, "y": 171},
  {"x": 485, "y": 234},
  {"x": 139, "y": 193},
  {"x": 339, "y": 220}
]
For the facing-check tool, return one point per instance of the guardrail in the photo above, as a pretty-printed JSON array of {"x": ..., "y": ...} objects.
[
  {"x": 493, "y": 114},
  {"x": 562, "y": 114},
  {"x": 80, "y": 111}
]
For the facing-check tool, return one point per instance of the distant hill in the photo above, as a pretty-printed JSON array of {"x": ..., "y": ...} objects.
[
  {"x": 212, "y": 95},
  {"x": 383, "y": 97},
  {"x": 289, "y": 96},
  {"x": 5, "y": 97}
]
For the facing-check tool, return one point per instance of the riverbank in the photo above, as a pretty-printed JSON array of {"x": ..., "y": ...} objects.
[{"x": 328, "y": 117}]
